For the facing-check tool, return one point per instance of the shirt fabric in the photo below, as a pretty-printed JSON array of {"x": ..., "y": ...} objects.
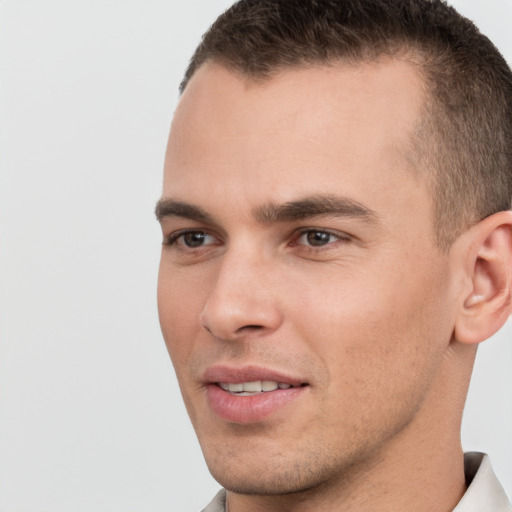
[{"x": 484, "y": 492}]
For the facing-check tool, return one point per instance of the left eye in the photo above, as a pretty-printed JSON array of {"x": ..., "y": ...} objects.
[{"x": 316, "y": 238}]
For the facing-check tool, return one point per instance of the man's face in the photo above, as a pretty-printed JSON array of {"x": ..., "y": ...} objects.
[{"x": 299, "y": 255}]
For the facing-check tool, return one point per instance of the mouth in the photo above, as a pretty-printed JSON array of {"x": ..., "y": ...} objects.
[
  {"x": 253, "y": 388},
  {"x": 250, "y": 394}
]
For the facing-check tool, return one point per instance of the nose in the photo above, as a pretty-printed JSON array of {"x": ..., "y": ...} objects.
[{"x": 243, "y": 300}]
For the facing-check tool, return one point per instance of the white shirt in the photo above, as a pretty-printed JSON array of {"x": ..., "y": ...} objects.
[{"x": 484, "y": 492}]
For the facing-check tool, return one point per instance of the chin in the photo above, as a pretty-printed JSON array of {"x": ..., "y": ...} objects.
[
  {"x": 245, "y": 473},
  {"x": 270, "y": 484}
]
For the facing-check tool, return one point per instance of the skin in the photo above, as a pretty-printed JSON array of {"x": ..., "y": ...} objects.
[{"x": 365, "y": 319}]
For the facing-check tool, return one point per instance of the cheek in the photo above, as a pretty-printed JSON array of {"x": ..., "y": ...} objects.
[
  {"x": 179, "y": 307},
  {"x": 178, "y": 310},
  {"x": 378, "y": 335}
]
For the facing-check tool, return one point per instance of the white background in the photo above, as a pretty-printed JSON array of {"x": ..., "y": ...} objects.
[{"x": 90, "y": 415}]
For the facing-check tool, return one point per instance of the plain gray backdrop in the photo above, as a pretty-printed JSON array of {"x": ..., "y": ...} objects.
[{"x": 90, "y": 414}]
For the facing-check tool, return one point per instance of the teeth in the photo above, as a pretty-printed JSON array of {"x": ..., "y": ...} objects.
[
  {"x": 255, "y": 387},
  {"x": 252, "y": 387},
  {"x": 233, "y": 388},
  {"x": 268, "y": 385}
]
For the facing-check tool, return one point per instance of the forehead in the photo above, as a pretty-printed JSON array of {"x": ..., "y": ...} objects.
[
  {"x": 389, "y": 90},
  {"x": 300, "y": 132}
]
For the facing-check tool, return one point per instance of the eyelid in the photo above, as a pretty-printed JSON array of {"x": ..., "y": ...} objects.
[
  {"x": 173, "y": 237},
  {"x": 341, "y": 235}
]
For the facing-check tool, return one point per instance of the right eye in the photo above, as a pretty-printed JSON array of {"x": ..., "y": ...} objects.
[{"x": 191, "y": 239}]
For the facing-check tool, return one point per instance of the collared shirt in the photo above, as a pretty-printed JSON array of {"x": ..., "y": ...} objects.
[{"x": 484, "y": 492}]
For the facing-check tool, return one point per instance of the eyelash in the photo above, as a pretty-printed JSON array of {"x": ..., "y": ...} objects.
[
  {"x": 341, "y": 237},
  {"x": 173, "y": 239}
]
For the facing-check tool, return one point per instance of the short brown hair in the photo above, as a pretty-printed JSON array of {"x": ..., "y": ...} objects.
[{"x": 465, "y": 136}]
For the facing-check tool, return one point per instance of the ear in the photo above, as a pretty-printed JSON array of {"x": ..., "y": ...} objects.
[{"x": 488, "y": 270}]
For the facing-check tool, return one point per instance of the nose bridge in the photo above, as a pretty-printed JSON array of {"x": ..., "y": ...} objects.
[{"x": 241, "y": 298}]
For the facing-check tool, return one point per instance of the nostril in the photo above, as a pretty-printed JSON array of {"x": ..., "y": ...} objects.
[
  {"x": 244, "y": 329},
  {"x": 250, "y": 328}
]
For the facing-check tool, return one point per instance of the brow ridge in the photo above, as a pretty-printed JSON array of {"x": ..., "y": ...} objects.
[
  {"x": 270, "y": 213},
  {"x": 314, "y": 206},
  {"x": 172, "y": 208}
]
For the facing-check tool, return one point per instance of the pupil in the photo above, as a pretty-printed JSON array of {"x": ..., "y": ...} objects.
[
  {"x": 194, "y": 239},
  {"x": 318, "y": 238}
]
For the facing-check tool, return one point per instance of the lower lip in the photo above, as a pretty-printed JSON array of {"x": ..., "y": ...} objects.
[{"x": 249, "y": 409}]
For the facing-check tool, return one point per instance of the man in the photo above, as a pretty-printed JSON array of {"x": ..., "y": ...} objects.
[{"x": 337, "y": 241}]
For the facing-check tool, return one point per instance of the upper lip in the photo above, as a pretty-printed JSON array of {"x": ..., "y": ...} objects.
[{"x": 229, "y": 374}]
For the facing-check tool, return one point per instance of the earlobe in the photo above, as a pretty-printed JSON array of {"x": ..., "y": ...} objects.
[{"x": 488, "y": 304}]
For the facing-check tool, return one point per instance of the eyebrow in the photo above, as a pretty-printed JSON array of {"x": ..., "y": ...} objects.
[
  {"x": 171, "y": 208},
  {"x": 313, "y": 206}
]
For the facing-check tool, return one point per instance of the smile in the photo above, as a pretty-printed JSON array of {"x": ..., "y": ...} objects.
[
  {"x": 253, "y": 388},
  {"x": 251, "y": 394}
]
